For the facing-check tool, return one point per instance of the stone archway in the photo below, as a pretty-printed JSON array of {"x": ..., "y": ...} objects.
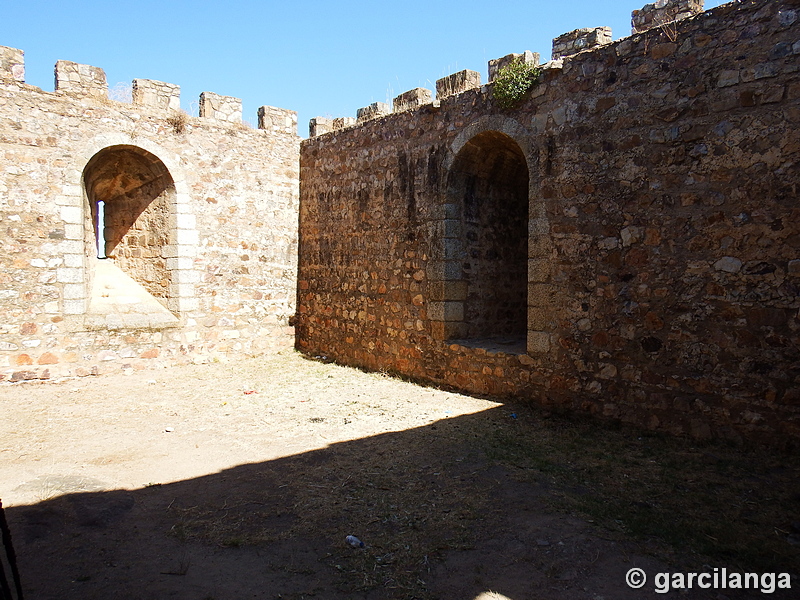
[
  {"x": 492, "y": 167},
  {"x": 130, "y": 195},
  {"x": 487, "y": 187}
]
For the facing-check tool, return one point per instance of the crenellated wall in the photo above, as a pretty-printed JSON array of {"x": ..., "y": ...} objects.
[
  {"x": 656, "y": 180},
  {"x": 623, "y": 242},
  {"x": 199, "y": 226}
]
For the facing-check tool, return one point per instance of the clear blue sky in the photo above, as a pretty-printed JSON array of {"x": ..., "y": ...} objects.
[{"x": 318, "y": 58}]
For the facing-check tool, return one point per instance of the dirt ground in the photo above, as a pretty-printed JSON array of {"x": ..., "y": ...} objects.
[{"x": 234, "y": 481}]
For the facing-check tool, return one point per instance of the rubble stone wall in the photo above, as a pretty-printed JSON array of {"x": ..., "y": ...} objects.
[
  {"x": 201, "y": 212},
  {"x": 663, "y": 232}
]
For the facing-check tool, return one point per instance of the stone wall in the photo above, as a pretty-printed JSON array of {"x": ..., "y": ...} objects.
[
  {"x": 200, "y": 219},
  {"x": 662, "y": 238}
]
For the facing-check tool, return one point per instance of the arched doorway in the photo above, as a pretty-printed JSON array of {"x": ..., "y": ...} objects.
[
  {"x": 131, "y": 195},
  {"x": 487, "y": 192}
]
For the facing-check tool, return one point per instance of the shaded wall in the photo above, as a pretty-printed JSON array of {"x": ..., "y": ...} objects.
[{"x": 662, "y": 271}]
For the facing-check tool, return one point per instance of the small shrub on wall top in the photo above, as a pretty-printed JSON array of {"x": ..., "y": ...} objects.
[{"x": 513, "y": 81}]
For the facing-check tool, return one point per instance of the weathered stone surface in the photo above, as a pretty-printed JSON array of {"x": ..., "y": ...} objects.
[
  {"x": 277, "y": 120},
  {"x": 664, "y": 13},
  {"x": 200, "y": 214},
  {"x": 457, "y": 83},
  {"x": 660, "y": 233},
  {"x": 83, "y": 80},
  {"x": 412, "y": 99},
  {"x": 528, "y": 57},
  {"x": 12, "y": 64},
  {"x": 318, "y": 126},
  {"x": 373, "y": 111},
  {"x": 148, "y": 92},
  {"x": 579, "y": 40},
  {"x": 220, "y": 108},
  {"x": 342, "y": 122}
]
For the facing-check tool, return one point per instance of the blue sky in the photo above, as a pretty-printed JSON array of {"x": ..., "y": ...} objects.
[{"x": 318, "y": 58}]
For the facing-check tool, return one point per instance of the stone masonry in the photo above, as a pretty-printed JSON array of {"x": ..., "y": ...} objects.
[
  {"x": 625, "y": 242},
  {"x": 198, "y": 217}
]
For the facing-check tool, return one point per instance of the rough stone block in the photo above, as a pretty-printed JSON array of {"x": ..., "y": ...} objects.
[
  {"x": 542, "y": 295},
  {"x": 412, "y": 99},
  {"x": 73, "y": 231},
  {"x": 74, "y": 307},
  {"x": 149, "y": 92},
  {"x": 220, "y": 108},
  {"x": 187, "y": 236},
  {"x": 580, "y": 39},
  {"x": 185, "y": 221},
  {"x": 527, "y": 57},
  {"x": 728, "y": 264},
  {"x": 457, "y": 83},
  {"x": 69, "y": 275},
  {"x": 373, "y": 111},
  {"x": 447, "y": 228},
  {"x": 538, "y": 342},
  {"x": 662, "y": 13},
  {"x": 538, "y": 270},
  {"x": 74, "y": 261},
  {"x": 453, "y": 248},
  {"x": 446, "y": 311},
  {"x": 277, "y": 120},
  {"x": 440, "y": 270},
  {"x": 74, "y": 291},
  {"x": 318, "y": 126},
  {"x": 82, "y": 80},
  {"x": 180, "y": 263},
  {"x": 71, "y": 214},
  {"x": 538, "y": 319},
  {"x": 342, "y": 122},
  {"x": 447, "y": 290},
  {"x": 12, "y": 64}
]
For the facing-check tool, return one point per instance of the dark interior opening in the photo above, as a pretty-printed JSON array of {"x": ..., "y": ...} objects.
[{"x": 489, "y": 184}]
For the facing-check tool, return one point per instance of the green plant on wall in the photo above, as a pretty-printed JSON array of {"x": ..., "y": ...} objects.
[{"x": 513, "y": 81}]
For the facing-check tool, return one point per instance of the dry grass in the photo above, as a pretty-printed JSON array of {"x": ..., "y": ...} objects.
[
  {"x": 415, "y": 495},
  {"x": 178, "y": 120}
]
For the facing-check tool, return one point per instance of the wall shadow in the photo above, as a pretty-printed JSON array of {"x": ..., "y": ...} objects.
[{"x": 439, "y": 520}]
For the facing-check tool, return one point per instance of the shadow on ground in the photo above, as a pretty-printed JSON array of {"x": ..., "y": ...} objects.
[{"x": 440, "y": 519}]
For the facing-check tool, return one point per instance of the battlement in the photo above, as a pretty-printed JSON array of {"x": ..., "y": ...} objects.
[
  {"x": 148, "y": 92},
  {"x": 373, "y": 111},
  {"x": 662, "y": 14},
  {"x": 580, "y": 39},
  {"x": 412, "y": 99},
  {"x": 81, "y": 80},
  {"x": 12, "y": 64},
  {"x": 528, "y": 57},
  {"x": 86, "y": 81}
]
